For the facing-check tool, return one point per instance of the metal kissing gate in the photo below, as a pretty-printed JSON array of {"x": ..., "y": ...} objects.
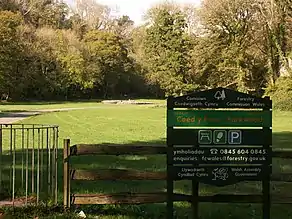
[{"x": 28, "y": 162}]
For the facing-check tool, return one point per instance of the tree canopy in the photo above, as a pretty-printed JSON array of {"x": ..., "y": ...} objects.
[{"x": 51, "y": 51}]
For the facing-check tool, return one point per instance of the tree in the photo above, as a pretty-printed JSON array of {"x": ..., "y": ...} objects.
[
  {"x": 97, "y": 16},
  {"x": 226, "y": 52},
  {"x": 9, "y": 5},
  {"x": 274, "y": 23},
  {"x": 122, "y": 27},
  {"x": 79, "y": 26},
  {"x": 108, "y": 62},
  {"x": 166, "y": 51},
  {"x": 10, "y": 51},
  {"x": 51, "y": 55}
]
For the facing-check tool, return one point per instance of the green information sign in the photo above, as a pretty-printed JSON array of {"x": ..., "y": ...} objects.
[
  {"x": 220, "y": 137},
  {"x": 205, "y": 137},
  {"x": 219, "y": 147},
  {"x": 208, "y": 118},
  {"x": 235, "y": 137},
  {"x": 221, "y": 176},
  {"x": 221, "y": 155}
]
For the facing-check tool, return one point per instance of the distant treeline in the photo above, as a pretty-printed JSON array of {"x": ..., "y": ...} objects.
[{"x": 50, "y": 51}]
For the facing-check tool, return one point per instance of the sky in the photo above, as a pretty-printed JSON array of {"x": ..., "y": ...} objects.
[{"x": 136, "y": 8}]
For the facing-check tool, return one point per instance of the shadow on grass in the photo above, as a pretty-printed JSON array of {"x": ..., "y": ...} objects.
[
  {"x": 282, "y": 139},
  {"x": 14, "y": 114},
  {"x": 158, "y": 163},
  {"x": 40, "y": 102},
  {"x": 36, "y": 102}
]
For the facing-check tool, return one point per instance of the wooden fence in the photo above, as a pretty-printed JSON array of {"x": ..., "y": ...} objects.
[{"x": 143, "y": 198}]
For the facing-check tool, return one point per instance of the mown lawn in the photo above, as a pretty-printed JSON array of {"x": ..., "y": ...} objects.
[
  {"x": 30, "y": 106},
  {"x": 146, "y": 124}
]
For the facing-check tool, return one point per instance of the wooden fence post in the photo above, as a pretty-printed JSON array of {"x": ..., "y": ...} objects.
[
  {"x": 66, "y": 179},
  {"x": 1, "y": 159}
]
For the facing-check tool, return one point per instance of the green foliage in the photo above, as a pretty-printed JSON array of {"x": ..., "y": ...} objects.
[
  {"x": 40, "y": 211},
  {"x": 111, "y": 64},
  {"x": 10, "y": 51},
  {"x": 48, "y": 51},
  {"x": 228, "y": 55},
  {"x": 45, "y": 77},
  {"x": 63, "y": 63},
  {"x": 167, "y": 52},
  {"x": 281, "y": 94},
  {"x": 8, "y": 5}
]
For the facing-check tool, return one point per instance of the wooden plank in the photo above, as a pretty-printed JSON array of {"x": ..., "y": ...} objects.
[
  {"x": 169, "y": 180},
  {"x": 116, "y": 149},
  {"x": 116, "y": 174},
  {"x": 1, "y": 166},
  {"x": 230, "y": 198},
  {"x": 282, "y": 153},
  {"x": 126, "y": 198},
  {"x": 66, "y": 181},
  {"x": 281, "y": 177},
  {"x": 143, "y": 198}
]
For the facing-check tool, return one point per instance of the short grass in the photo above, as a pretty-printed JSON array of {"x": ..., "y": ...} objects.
[
  {"x": 27, "y": 106},
  {"x": 146, "y": 124}
]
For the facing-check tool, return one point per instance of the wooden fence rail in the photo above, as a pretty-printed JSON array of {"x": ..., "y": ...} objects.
[{"x": 142, "y": 198}]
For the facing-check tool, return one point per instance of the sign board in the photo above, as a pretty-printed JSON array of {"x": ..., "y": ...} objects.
[
  {"x": 235, "y": 137},
  {"x": 219, "y": 147},
  {"x": 219, "y": 98},
  {"x": 222, "y": 155},
  {"x": 216, "y": 118},
  {"x": 220, "y": 175}
]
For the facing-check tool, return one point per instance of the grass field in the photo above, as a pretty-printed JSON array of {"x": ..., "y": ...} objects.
[
  {"x": 146, "y": 124},
  {"x": 26, "y": 106}
]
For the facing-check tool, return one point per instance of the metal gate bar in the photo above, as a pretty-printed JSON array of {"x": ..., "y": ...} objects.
[
  {"x": 28, "y": 156},
  {"x": 1, "y": 160}
]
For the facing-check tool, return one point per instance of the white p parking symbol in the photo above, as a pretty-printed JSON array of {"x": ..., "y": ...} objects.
[{"x": 234, "y": 137}]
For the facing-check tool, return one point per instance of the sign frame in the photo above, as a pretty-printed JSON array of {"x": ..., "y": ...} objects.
[
  {"x": 207, "y": 99},
  {"x": 189, "y": 136},
  {"x": 221, "y": 99},
  {"x": 218, "y": 118},
  {"x": 221, "y": 155}
]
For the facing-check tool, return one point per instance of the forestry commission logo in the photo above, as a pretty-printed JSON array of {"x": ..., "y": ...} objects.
[{"x": 220, "y": 95}]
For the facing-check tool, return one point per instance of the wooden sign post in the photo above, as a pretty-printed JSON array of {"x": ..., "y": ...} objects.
[{"x": 217, "y": 147}]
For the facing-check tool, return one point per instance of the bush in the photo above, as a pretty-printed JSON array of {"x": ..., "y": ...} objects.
[{"x": 281, "y": 94}]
